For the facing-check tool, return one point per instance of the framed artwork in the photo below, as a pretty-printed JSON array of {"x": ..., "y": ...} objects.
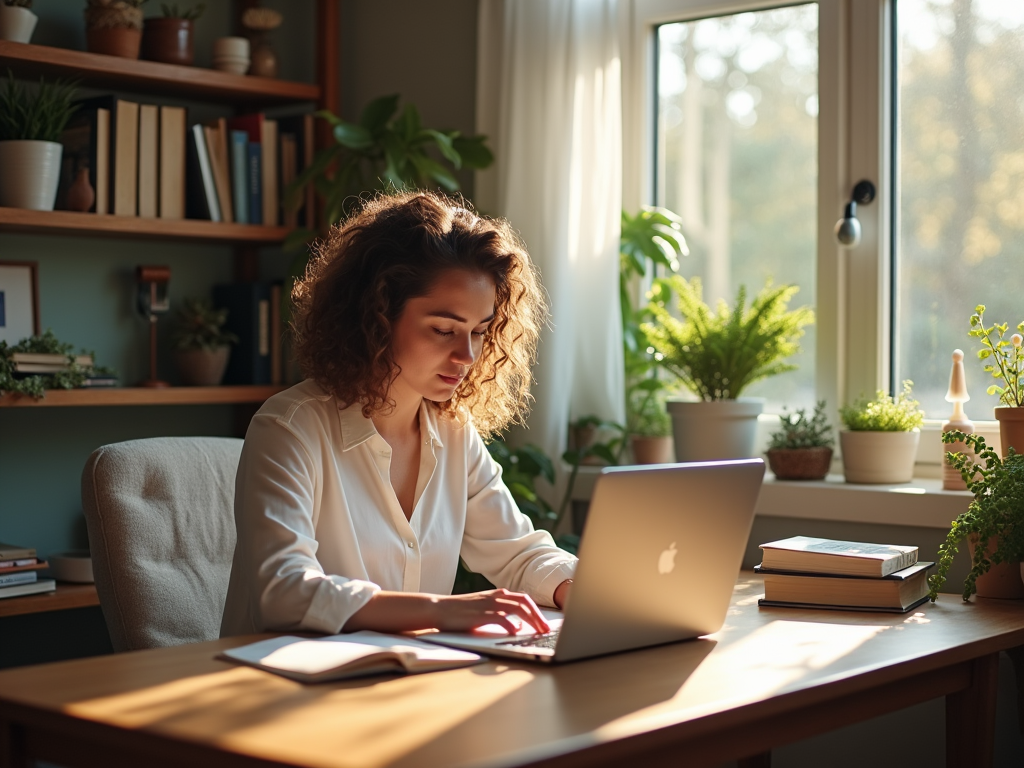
[{"x": 19, "y": 300}]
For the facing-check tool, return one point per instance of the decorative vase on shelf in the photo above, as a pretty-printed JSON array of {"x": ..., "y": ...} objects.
[
  {"x": 16, "y": 23},
  {"x": 169, "y": 40},
  {"x": 263, "y": 59},
  {"x": 81, "y": 195}
]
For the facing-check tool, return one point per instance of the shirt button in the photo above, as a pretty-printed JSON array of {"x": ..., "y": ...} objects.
[{"x": 410, "y": 544}]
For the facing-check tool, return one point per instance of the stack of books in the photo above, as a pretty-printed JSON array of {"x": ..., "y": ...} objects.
[
  {"x": 806, "y": 572},
  {"x": 19, "y": 572},
  {"x": 30, "y": 363}
]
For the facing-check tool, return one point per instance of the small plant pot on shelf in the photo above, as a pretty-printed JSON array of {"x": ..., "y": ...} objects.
[
  {"x": 879, "y": 457},
  {"x": 800, "y": 463},
  {"x": 1011, "y": 428},
  {"x": 168, "y": 40},
  {"x": 202, "y": 367},
  {"x": 30, "y": 174},
  {"x": 16, "y": 24},
  {"x": 1003, "y": 581},
  {"x": 114, "y": 41},
  {"x": 652, "y": 450},
  {"x": 717, "y": 429}
]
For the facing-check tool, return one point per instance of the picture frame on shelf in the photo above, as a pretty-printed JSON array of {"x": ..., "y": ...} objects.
[{"x": 19, "y": 300}]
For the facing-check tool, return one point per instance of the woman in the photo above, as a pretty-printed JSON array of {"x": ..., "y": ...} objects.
[{"x": 358, "y": 489}]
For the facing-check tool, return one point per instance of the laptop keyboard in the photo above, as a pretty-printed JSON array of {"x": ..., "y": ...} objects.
[{"x": 534, "y": 641}]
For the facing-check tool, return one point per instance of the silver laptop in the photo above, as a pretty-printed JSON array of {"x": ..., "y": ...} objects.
[{"x": 658, "y": 562}]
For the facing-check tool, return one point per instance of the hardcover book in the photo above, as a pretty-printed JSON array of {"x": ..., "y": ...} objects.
[
  {"x": 899, "y": 591},
  {"x": 86, "y": 141},
  {"x": 351, "y": 655},
  {"x": 123, "y": 153},
  {"x": 248, "y": 306},
  {"x": 807, "y": 554},
  {"x": 173, "y": 161},
  {"x": 35, "y": 587},
  {"x": 240, "y": 175},
  {"x": 300, "y": 130},
  {"x": 14, "y": 552},
  {"x": 201, "y": 202},
  {"x": 149, "y": 160}
]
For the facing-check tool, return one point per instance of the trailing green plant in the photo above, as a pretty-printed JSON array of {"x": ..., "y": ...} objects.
[
  {"x": 717, "y": 353},
  {"x": 884, "y": 413},
  {"x": 796, "y": 430},
  {"x": 36, "y": 385},
  {"x": 201, "y": 326},
  {"x": 995, "y": 515},
  {"x": 36, "y": 113},
  {"x": 1005, "y": 356},
  {"x": 386, "y": 149},
  {"x": 646, "y": 415},
  {"x": 187, "y": 14}
]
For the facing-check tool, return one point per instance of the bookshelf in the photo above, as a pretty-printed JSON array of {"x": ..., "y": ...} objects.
[
  {"x": 65, "y": 597},
  {"x": 235, "y": 93}
]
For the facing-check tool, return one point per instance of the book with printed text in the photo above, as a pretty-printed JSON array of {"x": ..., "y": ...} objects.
[
  {"x": 853, "y": 558},
  {"x": 899, "y": 591}
]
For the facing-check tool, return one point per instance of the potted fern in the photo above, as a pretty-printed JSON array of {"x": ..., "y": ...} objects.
[
  {"x": 995, "y": 517},
  {"x": 201, "y": 344},
  {"x": 801, "y": 449},
  {"x": 17, "y": 22},
  {"x": 31, "y": 121},
  {"x": 879, "y": 443},
  {"x": 718, "y": 353}
]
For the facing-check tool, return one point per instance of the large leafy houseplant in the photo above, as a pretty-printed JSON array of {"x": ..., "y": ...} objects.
[
  {"x": 385, "y": 149},
  {"x": 35, "y": 114},
  {"x": 994, "y": 521}
]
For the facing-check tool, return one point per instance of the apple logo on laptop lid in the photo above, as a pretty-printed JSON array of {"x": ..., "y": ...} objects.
[{"x": 667, "y": 560}]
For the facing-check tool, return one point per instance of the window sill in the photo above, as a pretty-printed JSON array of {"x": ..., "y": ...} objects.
[{"x": 921, "y": 503}]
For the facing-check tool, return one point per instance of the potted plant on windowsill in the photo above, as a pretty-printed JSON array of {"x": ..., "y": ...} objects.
[
  {"x": 17, "y": 22},
  {"x": 801, "y": 449},
  {"x": 718, "y": 353},
  {"x": 879, "y": 443},
  {"x": 995, "y": 517},
  {"x": 1006, "y": 363},
  {"x": 648, "y": 424},
  {"x": 31, "y": 121},
  {"x": 201, "y": 344}
]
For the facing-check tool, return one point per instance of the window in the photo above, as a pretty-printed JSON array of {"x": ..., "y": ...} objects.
[
  {"x": 736, "y": 158},
  {"x": 960, "y": 187}
]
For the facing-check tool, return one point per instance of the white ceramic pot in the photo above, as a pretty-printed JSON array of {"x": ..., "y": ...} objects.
[
  {"x": 29, "y": 173},
  {"x": 879, "y": 457},
  {"x": 719, "y": 429},
  {"x": 16, "y": 24}
]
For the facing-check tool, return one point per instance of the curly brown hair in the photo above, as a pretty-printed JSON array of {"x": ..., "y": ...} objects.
[{"x": 391, "y": 250}]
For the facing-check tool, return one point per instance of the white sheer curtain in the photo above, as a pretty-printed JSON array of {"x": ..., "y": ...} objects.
[{"x": 548, "y": 96}]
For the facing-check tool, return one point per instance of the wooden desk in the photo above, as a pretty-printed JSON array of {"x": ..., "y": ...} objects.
[{"x": 770, "y": 677}]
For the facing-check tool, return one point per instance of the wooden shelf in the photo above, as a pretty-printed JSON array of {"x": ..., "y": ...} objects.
[
  {"x": 66, "y": 596},
  {"x": 151, "y": 78},
  {"x": 136, "y": 228},
  {"x": 57, "y": 398}
]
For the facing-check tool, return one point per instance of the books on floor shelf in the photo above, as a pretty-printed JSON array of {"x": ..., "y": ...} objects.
[
  {"x": 806, "y": 572},
  {"x": 19, "y": 572}
]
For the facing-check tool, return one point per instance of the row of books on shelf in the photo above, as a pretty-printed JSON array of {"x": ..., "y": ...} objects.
[
  {"x": 808, "y": 572},
  {"x": 19, "y": 572},
  {"x": 145, "y": 160}
]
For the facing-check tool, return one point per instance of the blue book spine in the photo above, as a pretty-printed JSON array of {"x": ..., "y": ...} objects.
[
  {"x": 255, "y": 183},
  {"x": 21, "y": 577},
  {"x": 240, "y": 175}
]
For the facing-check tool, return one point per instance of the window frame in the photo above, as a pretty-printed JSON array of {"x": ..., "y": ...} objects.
[{"x": 855, "y": 137}]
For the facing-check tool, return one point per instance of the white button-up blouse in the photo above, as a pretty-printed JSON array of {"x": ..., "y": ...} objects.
[{"x": 320, "y": 529}]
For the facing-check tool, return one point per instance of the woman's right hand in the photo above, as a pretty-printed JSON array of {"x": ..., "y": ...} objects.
[{"x": 403, "y": 612}]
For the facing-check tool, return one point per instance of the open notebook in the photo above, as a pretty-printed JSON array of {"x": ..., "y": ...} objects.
[{"x": 314, "y": 660}]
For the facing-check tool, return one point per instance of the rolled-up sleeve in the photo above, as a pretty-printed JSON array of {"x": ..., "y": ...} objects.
[
  {"x": 277, "y": 582},
  {"x": 500, "y": 542}
]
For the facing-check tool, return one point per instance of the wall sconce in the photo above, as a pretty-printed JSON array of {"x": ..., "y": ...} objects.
[
  {"x": 152, "y": 299},
  {"x": 848, "y": 227}
]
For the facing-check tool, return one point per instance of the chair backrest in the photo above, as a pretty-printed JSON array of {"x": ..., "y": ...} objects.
[{"x": 162, "y": 536}]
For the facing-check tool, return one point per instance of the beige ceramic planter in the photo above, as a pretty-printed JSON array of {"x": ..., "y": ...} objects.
[
  {"x": 719, "y": 429},
  {"x": 16, "y": 23},
  {"x": 879, "y": 457},
  {"x": 29, "y": 173}
]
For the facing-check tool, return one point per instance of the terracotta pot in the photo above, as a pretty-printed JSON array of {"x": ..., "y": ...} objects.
[
  {"x": 1003, "y": 581},
  {"x": 878, "y": 457},
  {"x": 719, "y": 429},
  {"x": 652, "y": 450},
  {"x": 1011, "y": 428},
  {"x": 202, "y": 367},
  {"x": 800, "y": 463},
  {"x": 168, "y": 40},
  {"x": 114, "y": 41}
]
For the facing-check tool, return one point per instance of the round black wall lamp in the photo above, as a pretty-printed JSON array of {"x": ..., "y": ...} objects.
[{"x": 848, "y": 227}]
